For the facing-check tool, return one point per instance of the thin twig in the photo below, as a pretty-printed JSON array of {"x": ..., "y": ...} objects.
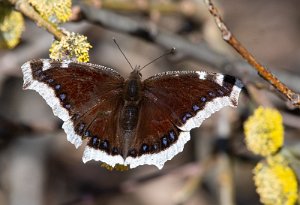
[
  {"x": 185, "y": 8},
  {"x": 262, "y": 71},
  {"x": 151, "y": 33},
  {"x": 25, "y": 8},
  {"x": 200, "y": 51}
]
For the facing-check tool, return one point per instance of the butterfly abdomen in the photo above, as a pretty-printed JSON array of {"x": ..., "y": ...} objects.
[{"x": 129, "y": 117}]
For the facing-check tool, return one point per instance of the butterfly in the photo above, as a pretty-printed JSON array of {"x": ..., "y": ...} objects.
[{"x": 128, "y": 121}]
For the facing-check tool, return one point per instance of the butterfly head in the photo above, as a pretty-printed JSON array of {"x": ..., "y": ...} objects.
[{"x": 136, "y": 72}]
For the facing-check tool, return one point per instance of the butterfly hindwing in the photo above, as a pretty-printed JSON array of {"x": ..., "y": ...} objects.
[{"x": 157, "y": 137}]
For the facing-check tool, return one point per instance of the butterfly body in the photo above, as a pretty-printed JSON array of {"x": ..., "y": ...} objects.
[
  {"x": 129, "y": 121},
  {"x": 129, "y": 113}
]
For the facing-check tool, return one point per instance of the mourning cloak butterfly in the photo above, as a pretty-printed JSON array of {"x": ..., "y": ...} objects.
[{"x": 129, "y": 121}]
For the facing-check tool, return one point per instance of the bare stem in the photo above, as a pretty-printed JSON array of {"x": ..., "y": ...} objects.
[{"x": 262, "y": 71}]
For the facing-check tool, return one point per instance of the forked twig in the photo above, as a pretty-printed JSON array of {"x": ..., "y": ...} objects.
[{"x": 293, "y": 97}]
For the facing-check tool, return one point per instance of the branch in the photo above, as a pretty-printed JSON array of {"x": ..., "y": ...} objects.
[
  {"x": 187, "y": 9},
  {"x": 150, "y": 32},
  {"x": 201, "y": 51},
  {"x": 262, "y": 71},
  {"x": 25, "y": 8}
]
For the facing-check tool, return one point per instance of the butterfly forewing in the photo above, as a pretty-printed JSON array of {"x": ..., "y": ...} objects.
[{"x": 189, "y": 97}]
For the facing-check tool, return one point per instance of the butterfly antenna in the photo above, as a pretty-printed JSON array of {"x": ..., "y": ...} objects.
[
  {"x": 171, "y": 51},
  {"x": 122, "y": 53}
]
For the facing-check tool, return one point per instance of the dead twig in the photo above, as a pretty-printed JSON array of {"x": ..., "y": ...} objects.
[{"x": 293, "y": 97}]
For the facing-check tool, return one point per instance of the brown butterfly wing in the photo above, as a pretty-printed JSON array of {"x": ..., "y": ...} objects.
[
  {"x": 173, "y": 104},
  {"x": 86, "y": 96}
]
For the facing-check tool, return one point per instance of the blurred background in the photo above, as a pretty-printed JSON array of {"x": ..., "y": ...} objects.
[{"x": 39, "y": 166}]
